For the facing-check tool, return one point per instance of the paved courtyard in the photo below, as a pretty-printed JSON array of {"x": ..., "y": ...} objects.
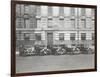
[{"x": 53, "y": 63}]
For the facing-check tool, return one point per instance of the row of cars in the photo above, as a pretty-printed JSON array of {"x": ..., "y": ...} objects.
[{"x": 53, "y": 50}]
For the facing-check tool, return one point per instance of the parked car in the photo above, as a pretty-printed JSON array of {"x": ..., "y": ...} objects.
[
  {"x": 29, "y": 51},
  {"x": 83, "y": 50},
  {"x": 45, "y": 51},
  {"x": 60, "y": 51},
  {"x": 91, "y": 50},
  {"x": 76, "y": 50}
]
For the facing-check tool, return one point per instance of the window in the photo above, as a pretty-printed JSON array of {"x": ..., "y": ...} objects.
[
  {"x": 38, "y": 10},
  {"x": 32, "y": 23},
  {"x": 92, "y": 36},
  {"x": 26, "y": 9},
  {"x": 93, "y": 22},
  {"x": 83, "y": 11},
  {"x": 61, "y": 36},
  {"x": 92, "y": 12},
  {"x": 18, "y": 35},
  {"x": 18, "y": 23},
  {"x": 61, "y": 20},
  {"x": 26, "y": 36},
  {"x": 73, "y": 23},
  {"x": 18, "y": 10},
  {"x": 72, "y": 36},
  {"x": 38, "y": 22},
  {"x": 83, "y": 36},
  {"x": 61, "y": 11},
  {"x": 72, "y": 11},
  {"x": 50, "y": 11},
  {"x": 38, "y": 36},
  {"x": 83, "y": 22},
  {"x": 49, "y": 23},
  {"x": 26, "y": 23}
]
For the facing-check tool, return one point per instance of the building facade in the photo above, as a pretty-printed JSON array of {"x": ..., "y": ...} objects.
[{"x": 53, "y": 25}]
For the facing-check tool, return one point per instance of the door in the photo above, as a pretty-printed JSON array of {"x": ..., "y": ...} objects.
[{"x": 49, "y": 38}]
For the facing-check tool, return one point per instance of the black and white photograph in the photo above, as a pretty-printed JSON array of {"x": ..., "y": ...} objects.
[{"x": 54, "y": 38}]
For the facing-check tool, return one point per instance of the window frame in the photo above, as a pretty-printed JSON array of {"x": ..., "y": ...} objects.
[
  {"x": 72, "y": 38},
  {"x": 83, "y": 36},
  {"x": 38, "y": 37},
  {"x": 26, "y": 36},
  {"x": 61, "y": 36}
]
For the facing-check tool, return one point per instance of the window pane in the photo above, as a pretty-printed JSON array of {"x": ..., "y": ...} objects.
[
  {"x": 49, "y": 11},
  {"x": 61, "y": 22},
  {"x": 72, "y": 11},
  {"x": 38, "y": 36},
  {"x": 61, "y": 36},
  {"x": 38, "y": 10},
  {"x": 32, "y": 23},
  {"x": 18, "y": 10},
  {"x": 93, "y": 22},
  {"x": 18, "y": 35},
  {"x": 83, "y": 11},
  {"x": 92, "y": 12},
  {"x": 26, "y": 25},
  {"x": 83, "y": 22},
  {"x": 61, "y": 11},
  {"x": 18, "y": 23},
  {"x": 83, "y": 36},
  {"x": 92, "y": 36},
  {"x": 26, "y": 9},
  {"x": 49, "y": 23},
  {"x": 73, "y": 23},
  {"x": 26, "y": 36},
  {"x": 38, "y": 22},
  {"x": 72, "y": 36}
]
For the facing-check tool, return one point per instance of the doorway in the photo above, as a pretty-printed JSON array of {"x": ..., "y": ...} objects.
[{"x": 50, "y": 38}]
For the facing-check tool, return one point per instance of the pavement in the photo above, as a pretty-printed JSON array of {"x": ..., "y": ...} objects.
[{"x": 54, "y": 63}]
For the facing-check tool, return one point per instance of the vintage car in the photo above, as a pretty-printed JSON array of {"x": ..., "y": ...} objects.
[
  {"x": 90, "y": 50},
  {"x": 76, "y": 50},
  {"x": 45, "y": 51},
  {"x": 60, "y": 51},
  {"x": 69, "y": 50},
  {"x": 86, "y": 50},
  {"x": 29, "y": 51}
]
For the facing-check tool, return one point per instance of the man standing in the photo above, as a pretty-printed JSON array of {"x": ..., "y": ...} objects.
[{"x": 21, "y": 50}]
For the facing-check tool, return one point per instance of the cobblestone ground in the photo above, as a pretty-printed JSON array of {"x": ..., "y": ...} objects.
[{"x": 53, "y": 63}]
